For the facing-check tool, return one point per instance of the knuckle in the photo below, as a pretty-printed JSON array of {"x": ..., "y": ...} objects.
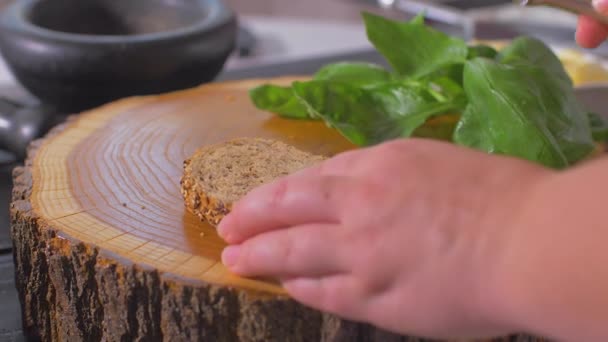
[
  {"x": 279, "y": 191},
  {"x": 331, "y": 190},
  {"x": 327, "y": 186}
]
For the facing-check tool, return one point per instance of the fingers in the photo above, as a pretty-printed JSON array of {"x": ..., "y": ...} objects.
[
  {"x": 600, "y": 5},
  {"x": 338, "y": 294},
  {"x": 590, "y": 33},
  {"x": 288, "y": 202},
  {"x": 309, "y": 251}
]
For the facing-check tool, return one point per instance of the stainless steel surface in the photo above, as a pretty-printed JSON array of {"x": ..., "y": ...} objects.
[{"x": 574, "y": 6}]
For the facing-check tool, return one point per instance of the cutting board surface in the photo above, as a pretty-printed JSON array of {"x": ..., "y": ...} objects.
[{"x": 112, "y": 176}]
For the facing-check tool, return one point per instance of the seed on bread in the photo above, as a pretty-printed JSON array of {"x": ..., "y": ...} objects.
[{"x": 216, "y": 176}]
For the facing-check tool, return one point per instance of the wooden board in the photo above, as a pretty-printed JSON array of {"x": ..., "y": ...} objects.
[{"x": 105, "y": 250}]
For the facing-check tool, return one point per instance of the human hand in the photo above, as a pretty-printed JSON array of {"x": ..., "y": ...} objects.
[
  {"x": 407, "y": 236},
  {"x": 590, "y": 33}
]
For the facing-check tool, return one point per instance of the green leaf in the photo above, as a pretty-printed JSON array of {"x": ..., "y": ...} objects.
[
  {"x": 369, "y": 116},
  {"x": 531, "y": 51},
  {"x": 482, "y": 51},
  {"x": 454, "y": 71},
  {"x": 474, "y": 130},
  {"x": 278, "y": 100},
  {"x": 449, "y": 88},
  {"x": 354, "y": 73},
  {"x": 412, "y": 48},
  {"x": 523, "y": 110},
  {"x": 599, "y": 126}
]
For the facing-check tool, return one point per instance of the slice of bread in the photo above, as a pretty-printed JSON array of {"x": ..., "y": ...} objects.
[{"x": 218, "y": 175}]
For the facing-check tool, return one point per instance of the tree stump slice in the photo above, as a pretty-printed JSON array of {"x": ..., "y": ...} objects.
[{"x": 105, "y": 250}]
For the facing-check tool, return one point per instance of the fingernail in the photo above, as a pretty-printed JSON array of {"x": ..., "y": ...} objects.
[
  {"x": 230, "y": 255},
  {"x": 601, "y": 5},
  {"x": 221, "y": 228},
  {"x": 221, "y": 232}
]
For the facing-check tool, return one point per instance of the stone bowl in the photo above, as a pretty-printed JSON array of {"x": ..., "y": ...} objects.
[{"x": 75, "y": 55}]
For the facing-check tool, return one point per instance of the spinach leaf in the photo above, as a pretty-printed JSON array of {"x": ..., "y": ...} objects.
[
  {"x": 531, "y": 51},
  {"x": 278, "y": 100},
  {"x": 449, "y": 89},
  {"x": 283, "y": 102},
  {"x": 518, "y": 102},
  {"x": 523, "y": 110},
  {"x": 355, "y": 73},
  {"x": 412, "y": 48},
  {"x": 371, "y": 115},
  {"x": 599, "y": 126},
  {"x": 474, "y": 130},
  {"x": 455, "y": 71},
  {"x": 482, "y": 50}
]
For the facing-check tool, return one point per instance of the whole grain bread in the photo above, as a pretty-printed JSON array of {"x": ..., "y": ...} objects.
[{"x": 218, "y": 175}]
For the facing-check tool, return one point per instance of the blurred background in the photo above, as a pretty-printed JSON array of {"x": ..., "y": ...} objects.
[{"x": 286, "y": 30}]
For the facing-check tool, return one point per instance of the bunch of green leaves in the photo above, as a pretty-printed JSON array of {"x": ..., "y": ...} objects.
[{"x": 518, "y": 102}]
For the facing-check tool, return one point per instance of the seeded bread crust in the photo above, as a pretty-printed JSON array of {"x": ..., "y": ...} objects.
[
  {"x": 206, "y": 208},
  {"x": 195, "y": 185}
]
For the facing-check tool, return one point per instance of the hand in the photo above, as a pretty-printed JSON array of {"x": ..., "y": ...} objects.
[
  {"x": 407, "y": 236},
  {"x": 590, "y": 33}
]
